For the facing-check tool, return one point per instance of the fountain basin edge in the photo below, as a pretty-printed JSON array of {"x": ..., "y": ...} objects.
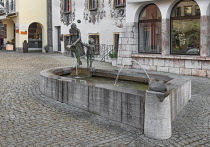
[{"x": 140, "y": 109}]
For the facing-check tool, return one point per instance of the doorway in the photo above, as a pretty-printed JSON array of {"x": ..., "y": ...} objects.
[
  {"x": 116, "y": 41},
  {"x": 58, "y": 28},
  {"x": 35, "y": 37}
]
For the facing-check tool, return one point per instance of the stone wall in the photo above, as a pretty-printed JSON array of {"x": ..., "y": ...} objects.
[
  {"x": 128, "y": 44},
  {"x": 159, "y": 115},
  {"x": 119, "y": 104},
  {"x": 184, "y": 65},
  {"x": 136, "y": 108}
]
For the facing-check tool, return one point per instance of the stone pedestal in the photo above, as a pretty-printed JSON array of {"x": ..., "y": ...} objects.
[{"x": 157, "y": 117}]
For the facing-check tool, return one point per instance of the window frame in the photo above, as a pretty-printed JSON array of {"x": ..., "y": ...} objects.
[
  {"x": 92, "y": 34},
  {"x": 5, "y": 31},
  {"x": 147, "y": 21},
  {"x": 182, "y": 18},
  {"x": 91, "y": 2},
  {"x": 67, "y": 7},
  {"x": 116, "y": 5}
]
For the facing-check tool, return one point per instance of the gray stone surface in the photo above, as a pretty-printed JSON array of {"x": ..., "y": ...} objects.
[
  {"x": 157, "y": 116},
  {"x": 28, "y": 118}
]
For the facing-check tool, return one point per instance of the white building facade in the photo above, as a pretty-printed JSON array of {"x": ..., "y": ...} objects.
[
  {"x": 101, "y": 20},
  {"x": 162, "y": 35}
]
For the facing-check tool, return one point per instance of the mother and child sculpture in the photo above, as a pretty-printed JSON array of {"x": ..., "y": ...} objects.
[{"x": 76, "y": 46}]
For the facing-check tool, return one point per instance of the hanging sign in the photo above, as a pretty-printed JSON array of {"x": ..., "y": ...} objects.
[
  {"x": 24, "y": 30},
  {"x": 16, "y": 27}
]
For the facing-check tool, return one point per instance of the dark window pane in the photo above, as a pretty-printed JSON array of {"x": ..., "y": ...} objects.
[
  {"x": 150, "y": 30},
  {"x": 151, "y": 12},
  {"x": 186, "y": 8},
  {"x": 185, "y": 29},
  {"x": 150, "y": 37},
  {"x": 185, "y": 36}
]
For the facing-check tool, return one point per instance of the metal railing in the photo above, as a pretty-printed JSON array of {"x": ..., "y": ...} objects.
[{"x": 104, "y": 51}]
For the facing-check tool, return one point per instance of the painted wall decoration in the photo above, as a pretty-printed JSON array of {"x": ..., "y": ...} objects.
[
  {"x": 67, "y": 11},
  {"x": 23, "y": 29},
  {"x": 94, "y": 11},
  {"x": 16, "y": 27},
  {"x": 118, "y": 11}
]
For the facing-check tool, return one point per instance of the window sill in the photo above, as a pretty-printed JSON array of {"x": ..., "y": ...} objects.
[
  {"x": 67, "y": 12},
  {"x": 181, "y": 57},
  {"x": 93, "y": 9},
  {"x": 120, "y": 5}
]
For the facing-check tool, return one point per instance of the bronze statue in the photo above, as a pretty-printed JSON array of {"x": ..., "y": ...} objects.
[
  {"x": 90, "y": 51},
  {"x": 75, "y": 44}
]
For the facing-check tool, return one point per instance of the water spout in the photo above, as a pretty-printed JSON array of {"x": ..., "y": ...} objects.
[
  {"x": 142, "y": 68},
  {"x": 118, "y": 75},
  {"x": 77, "y": 76},
  {"x": 123, "y": 66}
]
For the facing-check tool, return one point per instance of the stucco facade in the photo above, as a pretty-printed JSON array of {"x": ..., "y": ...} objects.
[
  {"x": 19, "y": 15},
  {"x": 105, "y": 27}
]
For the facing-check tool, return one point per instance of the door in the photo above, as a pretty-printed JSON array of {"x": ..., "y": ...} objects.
[
  {"x": 59, "y": 39},
  {"x": 116, "y": 41}
]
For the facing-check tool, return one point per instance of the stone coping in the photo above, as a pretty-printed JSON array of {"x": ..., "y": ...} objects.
[{"x": 181, "y": 57}]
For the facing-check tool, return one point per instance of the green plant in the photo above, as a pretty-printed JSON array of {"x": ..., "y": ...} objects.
[
  {"x": 13, "y": 40},
  {"x": 113, "y": 54},
  {"x": 8, "y": 42},
  {"x": 25, "y": 41}
]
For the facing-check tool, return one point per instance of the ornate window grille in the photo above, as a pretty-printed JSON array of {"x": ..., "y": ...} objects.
[
  {"x": 94, "y": 10},
  {"x": 67, "y": 11}
]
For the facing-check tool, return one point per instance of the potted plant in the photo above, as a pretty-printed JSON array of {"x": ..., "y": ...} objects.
[
  {"x": 13, "y": 43},
  {"x": 25, "y": 46},
  {"x": 9, "y": 46},
  {"x": 46, "y": 48},
  {"x": 113, "y": 56}
]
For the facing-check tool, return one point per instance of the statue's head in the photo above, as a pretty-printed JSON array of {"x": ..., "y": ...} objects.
[{"x": 73, "y": 26}]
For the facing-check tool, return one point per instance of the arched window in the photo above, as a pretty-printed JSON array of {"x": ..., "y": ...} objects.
[
  {"x": 185, "y": 28},
  {"x": 150, "y": 30}
]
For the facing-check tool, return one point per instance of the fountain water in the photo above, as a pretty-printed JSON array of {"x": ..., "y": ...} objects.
[
  {"x": 142, "y": 68},
  {"x": 123, "y": 66},
  {"x": 77, "y": 76},
  {"x": 118, "y": 75}
]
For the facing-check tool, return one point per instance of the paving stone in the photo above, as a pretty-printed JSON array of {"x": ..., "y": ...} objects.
[{"x": 28, "y": 118}]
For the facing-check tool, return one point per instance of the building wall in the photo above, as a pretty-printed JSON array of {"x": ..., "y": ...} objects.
[
  {"x": 164, "y": 62},
  {"x": 27, "y": 13},
  {"x": 33, "y": 11},
  {"x": 105, "y": 27}
]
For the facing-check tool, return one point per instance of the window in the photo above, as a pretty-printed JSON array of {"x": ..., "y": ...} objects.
[
  {"x": 150, "y": 30},
  {"x": 185, "y": 29},
  {"x": 5, "y": 30},
  {"x": 93, "y": 5},
  {"x": 97, "y": 43},
  {"x": 188, "y": 10},
  {"x": 67, "y": 6},
  {"x": 116, "y": 41},
  {"x": 119, "y": 3}
]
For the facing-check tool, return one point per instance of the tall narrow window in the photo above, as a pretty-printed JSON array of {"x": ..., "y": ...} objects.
[
  {"x": 150, "y": 30},
  {"x": 67, "y": 6},
  {"x": 97, "y": 43},
  {"x": 185, "y": 28},
  {"x": 93, "y": 5},
  {"x": 119, "y": 3}
]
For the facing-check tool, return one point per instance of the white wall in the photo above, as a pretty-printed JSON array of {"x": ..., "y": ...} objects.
[
  {"x": 105, "y": 27},
  {"x": 134, "y": 8}
]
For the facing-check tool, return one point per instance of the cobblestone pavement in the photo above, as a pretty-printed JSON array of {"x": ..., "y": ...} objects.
[{"x": 28, "y": 118}]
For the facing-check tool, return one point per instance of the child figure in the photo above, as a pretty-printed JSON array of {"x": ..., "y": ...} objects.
[{"x": 90, "y": 51}]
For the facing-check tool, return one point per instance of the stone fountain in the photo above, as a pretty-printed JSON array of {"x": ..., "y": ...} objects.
[{"x": 151, "y": 110}]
